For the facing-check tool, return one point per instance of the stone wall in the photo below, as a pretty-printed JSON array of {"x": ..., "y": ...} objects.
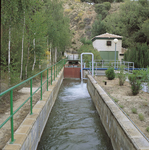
[{"x": 123, "y": 134}]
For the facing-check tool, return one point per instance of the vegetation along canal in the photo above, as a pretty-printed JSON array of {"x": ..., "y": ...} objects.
[{"x": 74, "y": 123}]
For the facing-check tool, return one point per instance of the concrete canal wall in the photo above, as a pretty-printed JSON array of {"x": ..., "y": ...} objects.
[
  {"x": 123, "y": 134},
  {"x": 30, "y": 131}
]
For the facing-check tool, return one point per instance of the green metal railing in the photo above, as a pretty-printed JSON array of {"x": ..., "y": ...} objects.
[{"x": 56, "y": 67}]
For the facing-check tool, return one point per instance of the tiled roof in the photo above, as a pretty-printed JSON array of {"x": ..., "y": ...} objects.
[{"x": 106, "y": 36}]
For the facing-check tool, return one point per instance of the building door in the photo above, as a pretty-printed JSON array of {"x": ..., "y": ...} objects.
[{"x": 107, "y": 55}]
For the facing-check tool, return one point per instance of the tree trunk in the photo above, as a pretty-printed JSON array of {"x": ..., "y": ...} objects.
[
  {"x": 27, "y": 61},
  {"x": 55, "y": 54},
  {"x": 34, "y": 56},
  {"x": 22, "y": 48}
]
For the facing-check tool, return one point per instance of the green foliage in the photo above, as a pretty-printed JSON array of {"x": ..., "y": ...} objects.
[
  {"x": 121, "y": 106},
  {"x": 147, "y": 129},
  {"x": 85, "y": 41},
  {"x": 88, "y": 58},
  {"x": 138, "y": 54},
  {"x": 135, "y": 82},
  {"x": 40, "y": 22},
  {"x": 141, "y": 117},
  {"x": 103, "y": 9},
  {"x": 119, "y": 1},
  {"x": 122, "y": 76},
  {"x": 110, "y": 74},
  {"x": 145, "y": 29},
  {"x": 131, "y": 22},
  {"x": 144, "y": 73},
  {"x": 107, "y": 5},
  {"x": 116, "y": 100},
  {"x": 134, "y": 110},
  {"x": 98, "y": 27}
]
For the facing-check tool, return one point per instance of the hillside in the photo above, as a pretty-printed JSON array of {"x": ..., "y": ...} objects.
[{"x": 82, "y": 15}]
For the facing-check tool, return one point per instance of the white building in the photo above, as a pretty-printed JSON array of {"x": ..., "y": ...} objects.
[{"x": 104, "y": 43}]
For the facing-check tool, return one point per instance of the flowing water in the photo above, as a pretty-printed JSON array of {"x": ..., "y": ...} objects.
[{"x": 74, "y": 123}]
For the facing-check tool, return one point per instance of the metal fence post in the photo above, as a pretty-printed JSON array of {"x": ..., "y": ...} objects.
[
  {"x": 41, "y": 86},
  {"x": 31, "y": 96},
  {"x": 51, "y": 75},
  {"x": 54, "y": 72},
  {"x": 11, "y": 113},
  {"x": 56, "y": 69},
  {"x": 47, "y": 79}
]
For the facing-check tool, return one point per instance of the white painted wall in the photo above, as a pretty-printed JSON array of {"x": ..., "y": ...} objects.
[{"x": 101, "y": 45}]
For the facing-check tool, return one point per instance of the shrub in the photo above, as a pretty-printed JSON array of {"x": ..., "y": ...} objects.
[
  {"x": 147, "y": 129},
  {"x": 67, "y": 10},
  {"x": 110, "y": 74},
  {"x": 101, "y": 9},
  {"x": 107, "y": 5},
  {"x": 121, "y": 106},
  {"x": 141, "y": 117},
  {"x": 141, "y": 50},
  {"x": 134, "y": 110},
  {"x": 121, "y": 75},
  {"x": 85, "y": 41},
  {"x": 88, "y": 48},
  {"x": 135, "y": 83}
]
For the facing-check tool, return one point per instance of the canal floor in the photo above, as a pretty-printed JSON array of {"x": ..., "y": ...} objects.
[{"x": 74, "y": 123}]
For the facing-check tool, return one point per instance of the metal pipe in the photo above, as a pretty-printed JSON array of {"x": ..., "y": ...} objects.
[
  {"x": 47, "y": 79},
  {"x": 11, "y": 113},
  {"x": 82, "y": 63},
  {"x": 31, "y": 96},
  {"x": 41, "y": 88},
  {"x": 51, "y": 74}
]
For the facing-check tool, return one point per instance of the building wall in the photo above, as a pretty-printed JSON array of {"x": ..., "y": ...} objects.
[{"x": 101, "y": 45}]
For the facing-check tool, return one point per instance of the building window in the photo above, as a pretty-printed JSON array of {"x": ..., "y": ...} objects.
[{"x": 108, "y": 43}]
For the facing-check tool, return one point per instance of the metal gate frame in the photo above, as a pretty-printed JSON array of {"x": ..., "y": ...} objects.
[{"x": 82, "y": 64}]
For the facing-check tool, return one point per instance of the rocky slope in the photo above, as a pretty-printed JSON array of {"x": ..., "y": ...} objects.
[{"x": 82, "y": 15}]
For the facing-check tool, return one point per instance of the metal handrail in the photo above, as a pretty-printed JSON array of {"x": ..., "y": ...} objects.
[{"x": 57, "y": 67}]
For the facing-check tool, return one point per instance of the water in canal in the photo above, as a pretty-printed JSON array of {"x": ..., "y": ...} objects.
[{"x": 74, "y": 123}]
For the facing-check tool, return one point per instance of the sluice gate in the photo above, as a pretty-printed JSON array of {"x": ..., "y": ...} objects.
[{"x": 72, "y": 69}]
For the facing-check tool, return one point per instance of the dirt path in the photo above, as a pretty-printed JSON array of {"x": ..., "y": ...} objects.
[
  {"x": 124, "y": 98},
  {"x": 18, "y": 99}
]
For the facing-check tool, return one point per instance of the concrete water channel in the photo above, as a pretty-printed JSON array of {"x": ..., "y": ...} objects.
[{"x": 74, "y": 122}]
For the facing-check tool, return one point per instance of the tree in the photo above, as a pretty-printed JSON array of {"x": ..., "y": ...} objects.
[
  {"x": 128, "y": 22},
  {"x": 139, "y": 55},
  {"x": 98, "y": 27}
]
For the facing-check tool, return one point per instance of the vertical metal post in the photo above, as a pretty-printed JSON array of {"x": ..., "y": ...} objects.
[
  {"x": 54, "y": 72},
  {"x": 41, "y": 88},
  {"x": 102, "y": 63},
  {"x": 51, "y": 75},
  {"x": 31, "y": 96},
  {"x": 115, "y": 57},
  {"x": 128, "y": 67},
  {"x": 11, "y": 113},
  {"x": 82, "y": 64},
  {"x": 47, "y": 79},
  {"x": 56, "y": 69},
  {"x": 92, "y": 64},
  {"x": 96, "y": 68},
  {"x": 81, "y": 68}
]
